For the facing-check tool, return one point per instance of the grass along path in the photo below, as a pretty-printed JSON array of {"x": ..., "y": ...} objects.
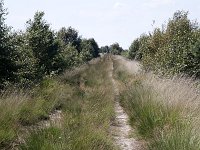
[
  {"x": 86, "y": 115},
  {"x": 88, "y": 110},
  {"x": 81, "y": 109},
  {"x": 120, "y": 128},
  {"x": 84, "y": 122},
  {"x": 164, "y": 112}
]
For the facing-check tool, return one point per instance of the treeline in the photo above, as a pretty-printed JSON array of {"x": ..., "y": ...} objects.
[
  {"x": 172, "y": 49},
  {"x": 115, "y": 49},
  {"x": 28, "y": 56}
]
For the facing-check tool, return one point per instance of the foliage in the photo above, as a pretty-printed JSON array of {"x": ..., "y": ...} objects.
[
  {"x": 104, "y": 49},
  {"x": 25, "y": 60},
  {"x": 41, "y": 42},
  {"x": 125, "y": 53},
  {"x": 67, "y": 58},
  {"x": 115, "y": 49},
  {"x": 7, "y": 55},
  {"x": 172, "y": 49},
  {"x": 69, "y": 36},
  {"x": 134, "y": 49},
  {"x": 89, "y": 49},
  {"x": 26, "y": 57}
]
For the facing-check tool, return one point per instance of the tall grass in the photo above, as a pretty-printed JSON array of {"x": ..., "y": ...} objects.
[
  {"x": 9, "y": 106},
  {"x": 86, "y": 115},
  {"x": 165, "y": 112},
  {"x": 20, "y": 109}
]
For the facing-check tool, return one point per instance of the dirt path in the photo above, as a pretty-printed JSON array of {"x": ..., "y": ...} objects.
[{"x": 120, "y": 129}]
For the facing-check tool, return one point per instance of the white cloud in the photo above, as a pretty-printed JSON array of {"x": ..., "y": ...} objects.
[{"x": 157, "y": 3}]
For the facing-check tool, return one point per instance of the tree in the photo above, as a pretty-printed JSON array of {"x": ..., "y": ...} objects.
[
  {"x": 67, "y": 58},
  {"x": 25, "y": 60},
  {"x": 69, "y": 36},
  {"x": 104, "y": 49},
  {"x": 41, "y": 41},
  {"x": 116, "y": 49},
  {"x": 7, "y": 55},
  {"x": 89, "y": 49},
  {"x": 134, "y": 49},
  {"x": 95, "y": 48},
  {"x": 173, "y": 49}
]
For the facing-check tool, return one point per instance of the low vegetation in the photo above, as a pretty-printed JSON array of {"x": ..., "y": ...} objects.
[
  {"x": 86, "y": 115},
  {"x": 87, "y": 107},
  {"x": 161, "y": 110},
  {"x": 25, "y": 108},
  {"x": 165, "y": 109}
]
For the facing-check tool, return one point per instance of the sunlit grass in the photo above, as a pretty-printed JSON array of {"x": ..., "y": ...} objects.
[
  {"x": 164, "y": 111},
  {"x": 86, "y": 115}
]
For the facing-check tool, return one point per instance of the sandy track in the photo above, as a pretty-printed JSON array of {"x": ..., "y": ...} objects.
[{"x": 120, "y": 129}]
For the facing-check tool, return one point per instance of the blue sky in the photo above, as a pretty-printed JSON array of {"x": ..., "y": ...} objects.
[{"x": 108, "y": 21}]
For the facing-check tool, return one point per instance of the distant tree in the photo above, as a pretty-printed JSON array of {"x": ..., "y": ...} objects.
[
  {"x": 104, "y": 49},
  {"x": 89, "y": 49},
  {"x": 41, "y": 41},
  {"x": 134, "y": 49},
  {"x": 116, "y": 49},
  {"x": 95, "y": 47}
]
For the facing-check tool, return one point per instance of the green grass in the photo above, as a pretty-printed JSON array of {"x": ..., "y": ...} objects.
[
  {"x": 87, "y": 114},
  {"x": 47, "y": 98},
  {"x": 87, "y": 106},
  {"x": 162, "y": 126},
  {"x": 10, "y": 104},
  {"x": 49, "y": 138},
  {"x": 177, "y": 138},
  {"x": 148, "y": 115},
  {"x": 19, "y": 109}
]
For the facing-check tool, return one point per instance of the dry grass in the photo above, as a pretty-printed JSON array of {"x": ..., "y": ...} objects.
[
  {"x": 178, "y": 91},
  {"x": 165, "y": 111}
]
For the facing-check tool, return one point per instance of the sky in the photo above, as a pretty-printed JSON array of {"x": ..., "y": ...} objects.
[{"x": 107, "y": 21}]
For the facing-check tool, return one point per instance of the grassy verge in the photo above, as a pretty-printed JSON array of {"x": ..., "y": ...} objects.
[
  {"x": 86, "y": 114},
  {"x": 164, "y": 125},
  {"x": 20, "y": 109}
]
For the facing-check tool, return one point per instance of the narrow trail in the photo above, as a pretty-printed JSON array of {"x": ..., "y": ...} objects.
[{"x": 120, "y": 129}]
